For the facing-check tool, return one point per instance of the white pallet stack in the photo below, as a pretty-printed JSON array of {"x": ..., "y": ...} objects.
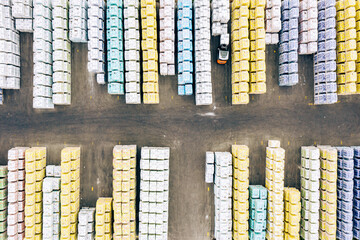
[
  {"x": 203, "y": 86},
  {"x": 96, "y": 39},
  {"x": 78, "y": 21},
  {"x": 273, "y": 21},
  {"x": 220, "y": 17},
  {"x": 9, "y": 49},
  {"x": 308, "y": 25},
  {"x": 86, "y": 227},
  {"x": 132, "y": 52},
  {"x": 223, "y": 195},
  {"x": 209, "y": 167},
  {"x": 167, "y": 37},
  {"x": 43, "y": 61},
  {"x": 154, "y": 193},
  {"x": 22, "y": 12}
]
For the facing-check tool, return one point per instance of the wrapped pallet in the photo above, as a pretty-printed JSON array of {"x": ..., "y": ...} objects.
[
  {"x": 220, "y": 17},
  {"x": 258, "y": 206},
  {"x": 3, "y": 211},
  {"x": 308, "y": 27},
  {"x": 78, "y": 21},
  {"x": 103, "y": 219},
  {"x": 22, "y": 11},
  {"x": 273, "y": 21},
  {"x": 356, "y": 207},
  {"x": 86, "y": 227},
  {"x": 292, "y": 213},
  {"x": 209, "y": 167}
]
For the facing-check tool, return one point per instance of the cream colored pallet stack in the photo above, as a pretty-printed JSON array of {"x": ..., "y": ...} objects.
[
  {"x": 292, "y": 213},
  {"x": 3, "y": 197},
  {"x": 274, "y": 182},
  {"x": 124, "y": 192},
  {"x": 35, "y": 163},
  {"x": 70, "y": 192},
  {"x": 240, "y": 158},
  {"x": 103, "y": 219}
]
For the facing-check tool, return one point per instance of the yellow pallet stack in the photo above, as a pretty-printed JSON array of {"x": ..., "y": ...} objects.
[
  {"x": 257, "y": 47},
  {"x": 240, "y": 157},
  {"x": 240, "y": 51},
  {"x": 149, "y": 50},
  {"x": 70, "y": 192},
  {"x": 328, "y": 195},
  {"x": 35, "y": 163},
  {"x": 103, "y": 219},
  {"x": 357, "y": 18},
  {"x": 124, "y": 192},
  {"x": 292, "y": 214},
  {"x": 346, "y": 46}
]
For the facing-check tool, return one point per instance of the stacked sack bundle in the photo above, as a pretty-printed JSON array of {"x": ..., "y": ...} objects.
[
  {"x": 346, "y": 47},
  {"x": 209, "y": 167},
  {"x": 203, "y": 87},
  {"x": 220, "y": 17},
  {"x": 70, "y": 191},
  {"x": 51, "y": 203},
  {"x": 345, "y": 193},
  {"x": 274, "y": 182},
  {"x": 292, "y": 213},
  {"x": 328, "y": 196},
  {"x": 308, "y": 27},
  {"x": 356, "y": 212},
  {"x": 167, "y": 37},
  {"x": 78, "y": 21},
  {"x": 132, "y": 52},
  {"x": 150, "y": 54},
  {"x": 16, "y": 193},
  {"x": 223, "y": 195},
  {"x": 86, "y": 227},
  {"x": 273, "y": 21},
  {"x": 35, "y": 162},
  {"x": 258, "y": 205},
  {"x": 61, "y": 53},
  {"x": 240, "y": 50},
  {"x": 96, "y": 39},
  {"x": 22, "y": 12},
  {"x": 185, "y": 47},
  {"x": 103, "y": 219},
  {"x": 124, "y": 191},
  {"x": 43, "y": 55},
  {"x": 289, "y": 43},
  {"x": 325, "y": 58},
  {"x": 310, "y": 195},
  {"x": 3, "y": 212},
  {"x": 115, "y": 54},
  {"x": 240, "y": 163}
]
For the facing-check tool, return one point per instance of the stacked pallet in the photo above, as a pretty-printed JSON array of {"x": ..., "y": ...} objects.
[
  {"x": 308, "y": 33},
  {"x": 96, "y": 39},
  {"x": 274, "y": 182},
  {"x": 356, "y": 212},
  {"x": 16, "y": 193},
  {"x": 132, "y": 52},
  {"x": 223, "y": 196},
  {"x": 22, "y": 12},
  {"x": 289, "y": 44},
  {"x": 78, "y": 21},
  {"x": 51, "y": 203},
  {"x": 103, "y": 219},
  {"x": 167, "y": 37},
  {"x": 70, "y": 191},
  {"x": 310, "y": 196},
  {"x": 1, "y": 97},
  {"x": 124, "y": 191},
  {"x": 35, "y": 162},
  {"x": 325, "y": 58},
  {"x": 357, "y": 18},
  {"x": 257, "y": 47},
  {"x": 114, "y": 35},
  {"x": 240, "y": 164},
  {"x": 240, "y": 50},
  {"x": 154, "y": 193},
  {"x": 43, "y": 55},
  {"x": 258, "y": 205},
  {"x": 185, "y": 48},
  {"x": 220, "y": 17},
  {"x": 4, "y": 213},
  {"x": 209, "y": 167},
  {"x": 86, "y": 227},
  {"x": 149, "y": 50},
  {"x": 292, "y": 213},
  {"x": 328, "y": 162},
  {"x": 273, "y": 21}
]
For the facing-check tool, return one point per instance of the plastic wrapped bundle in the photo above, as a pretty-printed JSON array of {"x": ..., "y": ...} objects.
[
  {"x": 185, "y": 47},
  {"x": 356, "y": 206},
  {"x": 103, "y": 219},
  {"x": 220, "y": 17},
  {"x": 292, "y": 213},
  {"x": 78, "y": 21},
  {"x": 154, "y": 193},
  {"x": 325, "y": 59},
  {"x": 289, "y": 43},
  {"x": 86, "y": 227},
  {"x": 273, "y": 21},
  {"x": 22, "y": 11},
  {"x": 209, "y": 167},
  {"x": 308, "y": 33},
  {"x": 258, "y": 206},
  {"x": 114, "y": 35}
]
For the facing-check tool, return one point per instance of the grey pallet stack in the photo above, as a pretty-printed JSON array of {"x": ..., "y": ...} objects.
[
  {"x": 273, "y": 21},
  {"x": 86, "y": 227},
  {"x": 308, "y": 33},
  {"x": 22, "y": 12},
  {"x": 78, "y": 21},
  {"x": 3, "y": 196}
]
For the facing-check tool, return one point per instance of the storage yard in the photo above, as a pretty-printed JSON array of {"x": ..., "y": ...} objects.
[{"x": 136, "y": 157}]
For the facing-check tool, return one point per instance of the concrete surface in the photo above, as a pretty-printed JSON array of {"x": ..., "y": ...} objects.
[{"x": 97, "y": 121}]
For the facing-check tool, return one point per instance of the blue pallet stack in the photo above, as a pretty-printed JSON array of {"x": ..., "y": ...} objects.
[
  {"x": 325, "y": 89},
  {"x": 345, "y": 186},
  {"x": 356, "y": 208},
  {"x": 185, "y": 47},
  {"x": 289, "y": 43},
  {"x": 114, "y": 32},
  {"x": 258, "y": 207}
]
